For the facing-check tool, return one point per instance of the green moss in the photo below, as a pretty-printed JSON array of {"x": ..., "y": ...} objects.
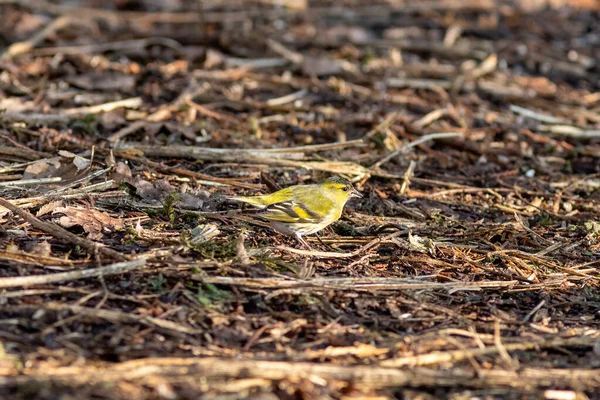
[
  {"x": 87, "y": 124},
  {"x": 158, "y": 283},
  {"x": 168, "y": 209},
  {"x": 223, "y": 249},
  {"x": 277, "y": 264},
  {"x": 208, "y": 294}
]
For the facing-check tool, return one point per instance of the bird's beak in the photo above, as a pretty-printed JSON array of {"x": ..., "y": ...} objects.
[{"x": 355, "y": 193}]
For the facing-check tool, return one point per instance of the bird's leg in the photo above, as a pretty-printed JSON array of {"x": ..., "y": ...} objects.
[{"x": 302, "y": 241}]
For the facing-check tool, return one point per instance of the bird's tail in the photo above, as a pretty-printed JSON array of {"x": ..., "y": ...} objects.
[{"x": 254, "y": 200}]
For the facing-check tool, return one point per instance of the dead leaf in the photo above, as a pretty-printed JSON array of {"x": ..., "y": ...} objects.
[
  {"x": 68, "y": 166},
  {"x": 49, "y": 207},
  {"x": 78, "y": 161},
  {"x": 121, "y": 173},
  {"x": 93, "y": 222},
  {"x": 42, "y": 168}
]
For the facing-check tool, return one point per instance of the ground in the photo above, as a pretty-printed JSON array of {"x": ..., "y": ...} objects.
[{"x": 469, "y": 269}]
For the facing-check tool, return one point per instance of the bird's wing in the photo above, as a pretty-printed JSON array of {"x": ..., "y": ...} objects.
[{"x": 290, "y": 212}]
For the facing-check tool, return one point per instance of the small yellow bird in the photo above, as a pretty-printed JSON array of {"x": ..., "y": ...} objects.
[{"x": 303, "y": 209}]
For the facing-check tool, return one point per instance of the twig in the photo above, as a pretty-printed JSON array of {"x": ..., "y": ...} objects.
[
  {"x": 280, "y": 49},
  {"x": 82, "y": 180},
  {"x": 356, "y": 283},
  {"x": 430, "y": 118},
  {"x": 441, "y": 357},
  {"x": 407, "y": 175},
  {"x": 222, "y": 154},
  {"x": 532, "y": 312},
  {"x": 535, "y": 115},
  {"x": 290, "y": 98},
  {"x": 112, "y": 46},
  {"x": 17, "y": 152},
  {"x": 72, "y": 113},
  {"x": 510, "y": 363},
  {"x": 129, "y": 129},
  {"x": 571, "y": 131},
  {"x": 327, "y": 254},
  {"x": 34, "y": 118},
  {"x": 113, "y": 269},
  {"x": 193, "y": 174},
  {"x": 24, "y": 47},
  {"x": 383, "y": 125},
  {"x": 133, "y": 102},
  {"x": 423, "y": 139},
  {"x": 119, "y": 317},
  {"x": 39, "y": 181}
]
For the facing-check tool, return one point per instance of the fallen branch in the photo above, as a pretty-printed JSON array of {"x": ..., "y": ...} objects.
[
  {"x": 440, "y": 357},
  {"x": 115, "y": 317},
  {"x": 363, "y": 377},
  {"x": 318, "y": 284}
]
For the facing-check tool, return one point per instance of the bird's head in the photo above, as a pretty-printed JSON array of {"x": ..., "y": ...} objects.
[{"x": 340, "y": 189}]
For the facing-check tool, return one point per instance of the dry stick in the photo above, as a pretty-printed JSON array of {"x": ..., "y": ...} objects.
[
  {"x": 82, "y": 180},
  {"x": 535, "y": 115},
  {"x": 34, "y": 118},
  {"x": 16, "y": 167},
  {"x": 193, "y": 174},
  {"x": 279, "y": 101},
  {"x": 113, "y": 269},
  {"x": 118, "y": 317},
  {"x": 72, "y": 113},
  {"x": 219, "y": 153},
  {"x": 120, "y": 134},
  {"x": 38, "y": 181},
  {"x": 383, "y": 126},
  {"x": 441, "y": 357},
  {"x": 7, "y": 136},
  {"x": 509, "y": 92},
  {"x": 568, "y": 130},
  {"x": 272, "y": 157},
  {"x": 328, "y": 254},
  {"x": 111, "y": 46},
  {"x": 358, "y": 283},
  {"x": 361, "y": 376},
  {"x": 532, "y": 312},
  {"x": 24, "y": 47},
  {"x": 61, "y": 233},
  {"x": 410, "y": 171},
  {"x": 133, "y": 102},
  {"x": 423, "y": 139},
  {"x": 17, "y": 152},
  {"x": 508, "y": 361},
  {"x": 430, "y": 118}
]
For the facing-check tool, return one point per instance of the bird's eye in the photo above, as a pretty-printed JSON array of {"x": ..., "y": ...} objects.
[{"x": 345, "y": 188}]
